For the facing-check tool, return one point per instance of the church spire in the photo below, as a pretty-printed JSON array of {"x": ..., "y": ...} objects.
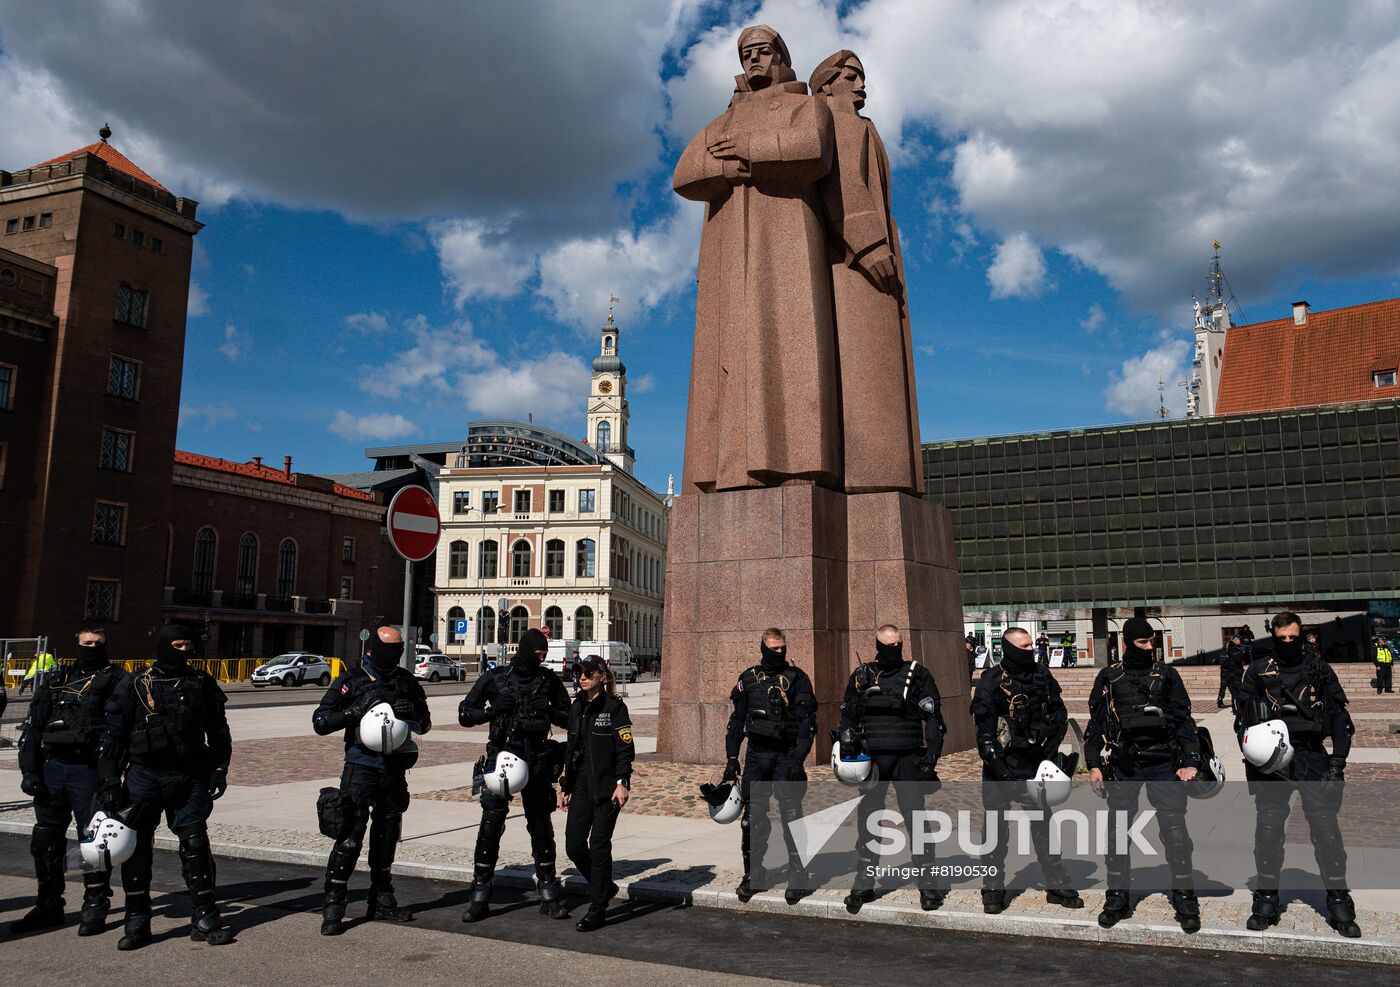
[{"x": 607, "y": 402}]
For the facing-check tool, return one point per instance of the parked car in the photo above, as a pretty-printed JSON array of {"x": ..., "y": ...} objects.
[
  {"x": 295, "y": 668},
  {"x": 436, "y": 667}
]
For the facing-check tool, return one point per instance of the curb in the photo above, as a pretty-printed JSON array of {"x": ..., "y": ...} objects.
[{"x": 1083, "y": 930}]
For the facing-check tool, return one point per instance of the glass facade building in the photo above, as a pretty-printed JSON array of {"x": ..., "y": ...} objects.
[{"x": 1296, "y": 505}]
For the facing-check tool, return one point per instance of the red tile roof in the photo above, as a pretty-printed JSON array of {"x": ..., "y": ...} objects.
[
  {"x": 114, "y": 159},
  {"x": 257, "y": 471},
  {"x": 1328, "y": 360}
]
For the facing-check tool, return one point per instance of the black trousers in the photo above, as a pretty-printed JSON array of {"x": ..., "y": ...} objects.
[
  {"x": 588, "y": 841},
  {"x": 1383, "y": 677},
  {"x": 755, "y": 827},
  {"x": 900, "y": 767},
  {"x": 1167, "y": 794},
  {"x": 378, "y": 798},
  {"x": 998, "y": 797},
  {"x": 538, "y": 800},
  {"x": 1273, "y": 796}
]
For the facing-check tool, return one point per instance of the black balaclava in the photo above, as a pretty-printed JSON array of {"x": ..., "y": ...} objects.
[
  {"x": 526, "y": 661},
  {"x": 1015, "y": 659},
  {"x": 1133, "y": 656},
  {"x": 167, "y": 656},
  {"x": 889, "y": 656},
  {"x": 1288, "y": 652},
  {"x": 384, "y": 655},
  {"x": 772, "y": 661},
  {"x": 92, "y": 657}
]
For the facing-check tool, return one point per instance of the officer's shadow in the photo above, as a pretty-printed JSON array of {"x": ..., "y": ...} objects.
[
  {"x": 1301, "y": 886},
  {"x": 239, "y": 916}
]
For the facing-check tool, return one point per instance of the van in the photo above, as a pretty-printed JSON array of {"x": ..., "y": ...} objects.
[
  {"x": 617, "y": 654},
  {"x": 562, "y": 653}
]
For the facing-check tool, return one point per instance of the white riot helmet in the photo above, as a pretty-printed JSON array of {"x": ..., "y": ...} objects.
[
  {"x": 723, "y": 801},
  {"x": 1209, "y": 780},
  {"x": 1050, "y": 786},
  {"x": 107, "y": 843},
  {"x": 852, "y": 769},
  {"x": 509, "y": 775},
  {"x": 1267, "y": 746},
  {"x": 381, "y": 730}
]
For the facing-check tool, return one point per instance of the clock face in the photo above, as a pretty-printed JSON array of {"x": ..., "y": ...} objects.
[{"x": 605, "y": 387}]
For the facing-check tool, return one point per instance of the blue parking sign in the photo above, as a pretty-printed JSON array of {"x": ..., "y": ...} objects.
[{"x": 459, "y": 627}]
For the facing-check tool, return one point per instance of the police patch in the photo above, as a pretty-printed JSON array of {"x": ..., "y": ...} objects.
[
  {"x": 625, "y": 734},
  {"x": 928, "y": 705}
]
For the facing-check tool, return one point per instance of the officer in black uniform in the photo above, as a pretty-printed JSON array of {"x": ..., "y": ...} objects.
[
  {"x": 1231, "y": 671},
  {"x": 166, "y": 728},
  {"x": 892, "y": 710},
  {"x": 1020, "y": 721},
  {"x": 520, "y": 702},
  {"x": 58, "y": 767},
  {"x": 1141, "y": 733},
  {"x": 597, "y": 781},
  {"x": 775, "y": 710},
  {"x": 1305, "y": 694},
  {"x": 372, "y": 785}
]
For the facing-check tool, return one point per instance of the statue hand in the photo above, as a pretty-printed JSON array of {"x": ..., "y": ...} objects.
[
  {"x": 878, "y": 265},
  {"x": 731, "y": 148}
]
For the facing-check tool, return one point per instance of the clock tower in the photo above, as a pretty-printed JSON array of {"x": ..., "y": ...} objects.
[{"x": 607, "y": 400}]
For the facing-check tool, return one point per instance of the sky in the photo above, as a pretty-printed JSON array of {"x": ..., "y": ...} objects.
[{"x": 416, "y": 214}]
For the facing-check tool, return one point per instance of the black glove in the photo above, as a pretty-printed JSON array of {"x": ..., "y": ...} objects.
[
  {"x": 218, "y": 784},
  {"x": 109, "y": 796},
  {"x": 796, "y": 771},
  {"x": 33, "y": 785},
  {"x": 850, "y": 742},
  {"x": 405, "y": 708},
  {"x": 504, "y": 704},
  {"x": 731, "y": 770},
  {"x": 1334, "y": 778},
  {"x": 363, "y": 703},
  {"x": 928, "y": 774},
  {"x": 998, "y": 769}
]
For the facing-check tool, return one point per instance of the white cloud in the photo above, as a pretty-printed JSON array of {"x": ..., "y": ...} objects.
[
  {"x": 427, "y": 367},
  {"x": 1134, "y": 389},
  {"x": 480, "y": 260},
  {"x": 642, "y": 384},
  {"x": 368, "y": 323},
  {"x": 1095, "y": 320},
  {"x": 1017, "y": 269},
  {"x": 199, "y": 301},
  {"x": 372, "y": 427},
  {"x": 236, "y": 343},
  {"x": 206, "y": 415},
  {"x": 552, "y": 388}
]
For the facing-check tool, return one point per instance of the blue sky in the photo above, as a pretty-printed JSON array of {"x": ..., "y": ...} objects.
[{"x": 393, "y": 251}]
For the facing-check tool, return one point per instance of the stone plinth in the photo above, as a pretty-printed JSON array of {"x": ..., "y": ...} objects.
[{"x": 828, "y": 568}]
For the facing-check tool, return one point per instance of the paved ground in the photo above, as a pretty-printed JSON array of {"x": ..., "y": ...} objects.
[{"x": 272, "y": 910}]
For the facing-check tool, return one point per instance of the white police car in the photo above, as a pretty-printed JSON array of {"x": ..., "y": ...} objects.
[{"x": 295, "y": 668}]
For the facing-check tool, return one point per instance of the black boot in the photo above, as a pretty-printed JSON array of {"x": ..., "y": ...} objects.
[
  {"x": 798, "y": 883},
  {"x": 1116, "y": 908},
  {"x": 1341, "y": 914},
  {"x": 931, "y": 899},
  {"x": 746, "y": 890},
  {"x": 137, "y": 931},
  {"x": 595, "y": 919},
  {"x": 1266, "y": 911},
  {"x": 384, "y": 833},
  {"x": 333, "y": 910},
  {"x": 993, "y": 900},
  {"x": 858, "y": 898},
  {"x": 97, "y": 902},
  {"x": 197, "y": 865},
  {"x": 48, "y": 850},
  {"x": 1188, "y": 910},
  {"x": 552, "y": 903},
  {"x": 479, "y": 904},
  {"x": 208, "y": 926},
  {"x": 1064, "y": 897},
  {"x": 383, "y": 905}
]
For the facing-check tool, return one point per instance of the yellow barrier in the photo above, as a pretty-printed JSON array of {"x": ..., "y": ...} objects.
[{"x": 225, "y": 670}]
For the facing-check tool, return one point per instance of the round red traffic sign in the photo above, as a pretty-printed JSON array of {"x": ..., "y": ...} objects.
[{"x": 413, "y": 523}]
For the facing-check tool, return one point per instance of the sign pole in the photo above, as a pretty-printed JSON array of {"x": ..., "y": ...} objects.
[{"x": 409, "y": 653}]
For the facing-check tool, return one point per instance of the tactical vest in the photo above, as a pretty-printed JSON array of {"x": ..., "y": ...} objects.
[
  {"x": 389, "y": 686},
  {"x": 1024, "y": 721},
  {"x": 75, "y": 723},
  {"x": 172, "y": 715},
  {"x": 529, "y": 723},
  {"x": 1130, "y": 695},
  {"x": 1296, "y": 695},
  {"x": 771, "y": 715},
  {"x": 890, "y": 721}
]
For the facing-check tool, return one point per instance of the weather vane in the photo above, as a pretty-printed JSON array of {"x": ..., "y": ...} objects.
[{"x": 612, "y": 300}]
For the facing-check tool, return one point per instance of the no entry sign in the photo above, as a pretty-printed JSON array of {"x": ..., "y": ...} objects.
[{"x": 413, "y": 523}]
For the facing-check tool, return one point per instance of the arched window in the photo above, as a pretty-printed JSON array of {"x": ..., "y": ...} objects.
[
  {"x": 453, "y": 615},
  {"x": 206, "y": 548},
  {"x": 485, "y": 626},
  {"x": 520, "y": 560},
  {"x": 554, "y": 559},
  {"x": 286, "y": 569},
  {"x": 457, "y": 560},
  {"x": 604, "y": 436},
  {"x": 583, "y": 623},
  {"x": 519, "y": 624},
  {"x": 554, "y": 621},
  {"x": 586, "y": 558},
  {"x": 247, "y": 581},
  {"x": 487, "y": 566}
]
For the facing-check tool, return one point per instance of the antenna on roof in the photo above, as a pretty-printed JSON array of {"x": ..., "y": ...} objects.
[
  {"x": 1161, "y": 398},
  {"x": 105, "y": 132}
]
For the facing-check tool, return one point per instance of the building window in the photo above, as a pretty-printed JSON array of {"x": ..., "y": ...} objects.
[
  {"x": 7, "y": 387},
  {"x": 119, "y": 231},
  {"x": 28, "y": 223},
  {"x": 122, "y": 378},
  {"x": 45, "y": 220},
  {"x": 554, "y": 623},
  {"x": 138, "y": 239},
  {"x": 453, "y": 615},
  {"x": 556, "y": 501},
  {"x": 587, "y": 501},
  {"x": 486, "y": 560},
  {"x": 11, "y": 226},
  {"x": 206, "y": 547},
  {"x": 520, "y": 560},
  {"x": 103, "y": 599},
  {"x": 109, "y": 523},
  {"x": 247, "y": 581},
  {"x": 604, "y": 436},
  {"x": 131, "y": 305},
  {"x": 519, "y": 624},
  {"x": 457, "y": 560},
  {"x": 461, "y": 501},
  {"x": 485, "y": 626},
  {"x": 583, "y": 623},
  {"x": 554, "y": 559},
  {"x": 586, "y": 558},
  {"x": 347, "y": 588},
  {"x": 286, "y": 569},
  {"x": 347, "y": 551},
  {"x": 1384, "y": 378},
  {"x": 117, "y": 447},
  {"x": 157, "y": 244},
  {"x": 522, "y": 502},
  {"x": 490, "y": 501}
]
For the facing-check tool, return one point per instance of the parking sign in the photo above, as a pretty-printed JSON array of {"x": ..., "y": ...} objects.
[{"x": 459, "y": 627}]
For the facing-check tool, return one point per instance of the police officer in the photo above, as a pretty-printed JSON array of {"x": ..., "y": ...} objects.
[
  {"x": 520, "y": 702},
  {"x": 373, "y": 785},
  {"x": 1385, "y": 666},
  {"x": 1141, "y": 733},
  {"x": 775, "y": 711},
  {"x": 58, "y": 766},
  {"x": 1020, "y": 720},
  {"x": 1305, "y": 694},
  {"x": 891, "y": 709},
  {"x": 166, "y": 728},
  {"x": 1231, "y": 671},
  {"x": 597, "y": 780}
]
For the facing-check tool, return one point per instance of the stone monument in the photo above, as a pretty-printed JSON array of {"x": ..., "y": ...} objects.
[{"x": 800, "y": 504}]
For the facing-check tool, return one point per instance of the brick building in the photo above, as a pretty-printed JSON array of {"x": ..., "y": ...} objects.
[{"x": 92, "y": 338}]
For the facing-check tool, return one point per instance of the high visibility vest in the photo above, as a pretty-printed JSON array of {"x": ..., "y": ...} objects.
[
  {"x": 1384, "y": 656},
  {"x": 44, "y": 663}
]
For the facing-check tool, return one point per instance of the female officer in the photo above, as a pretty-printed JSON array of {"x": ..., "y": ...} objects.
[{"x": 597, "y": 779}]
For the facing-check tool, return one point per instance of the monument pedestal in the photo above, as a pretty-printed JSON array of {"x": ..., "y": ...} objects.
[{"x": 826, "y": 567}]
